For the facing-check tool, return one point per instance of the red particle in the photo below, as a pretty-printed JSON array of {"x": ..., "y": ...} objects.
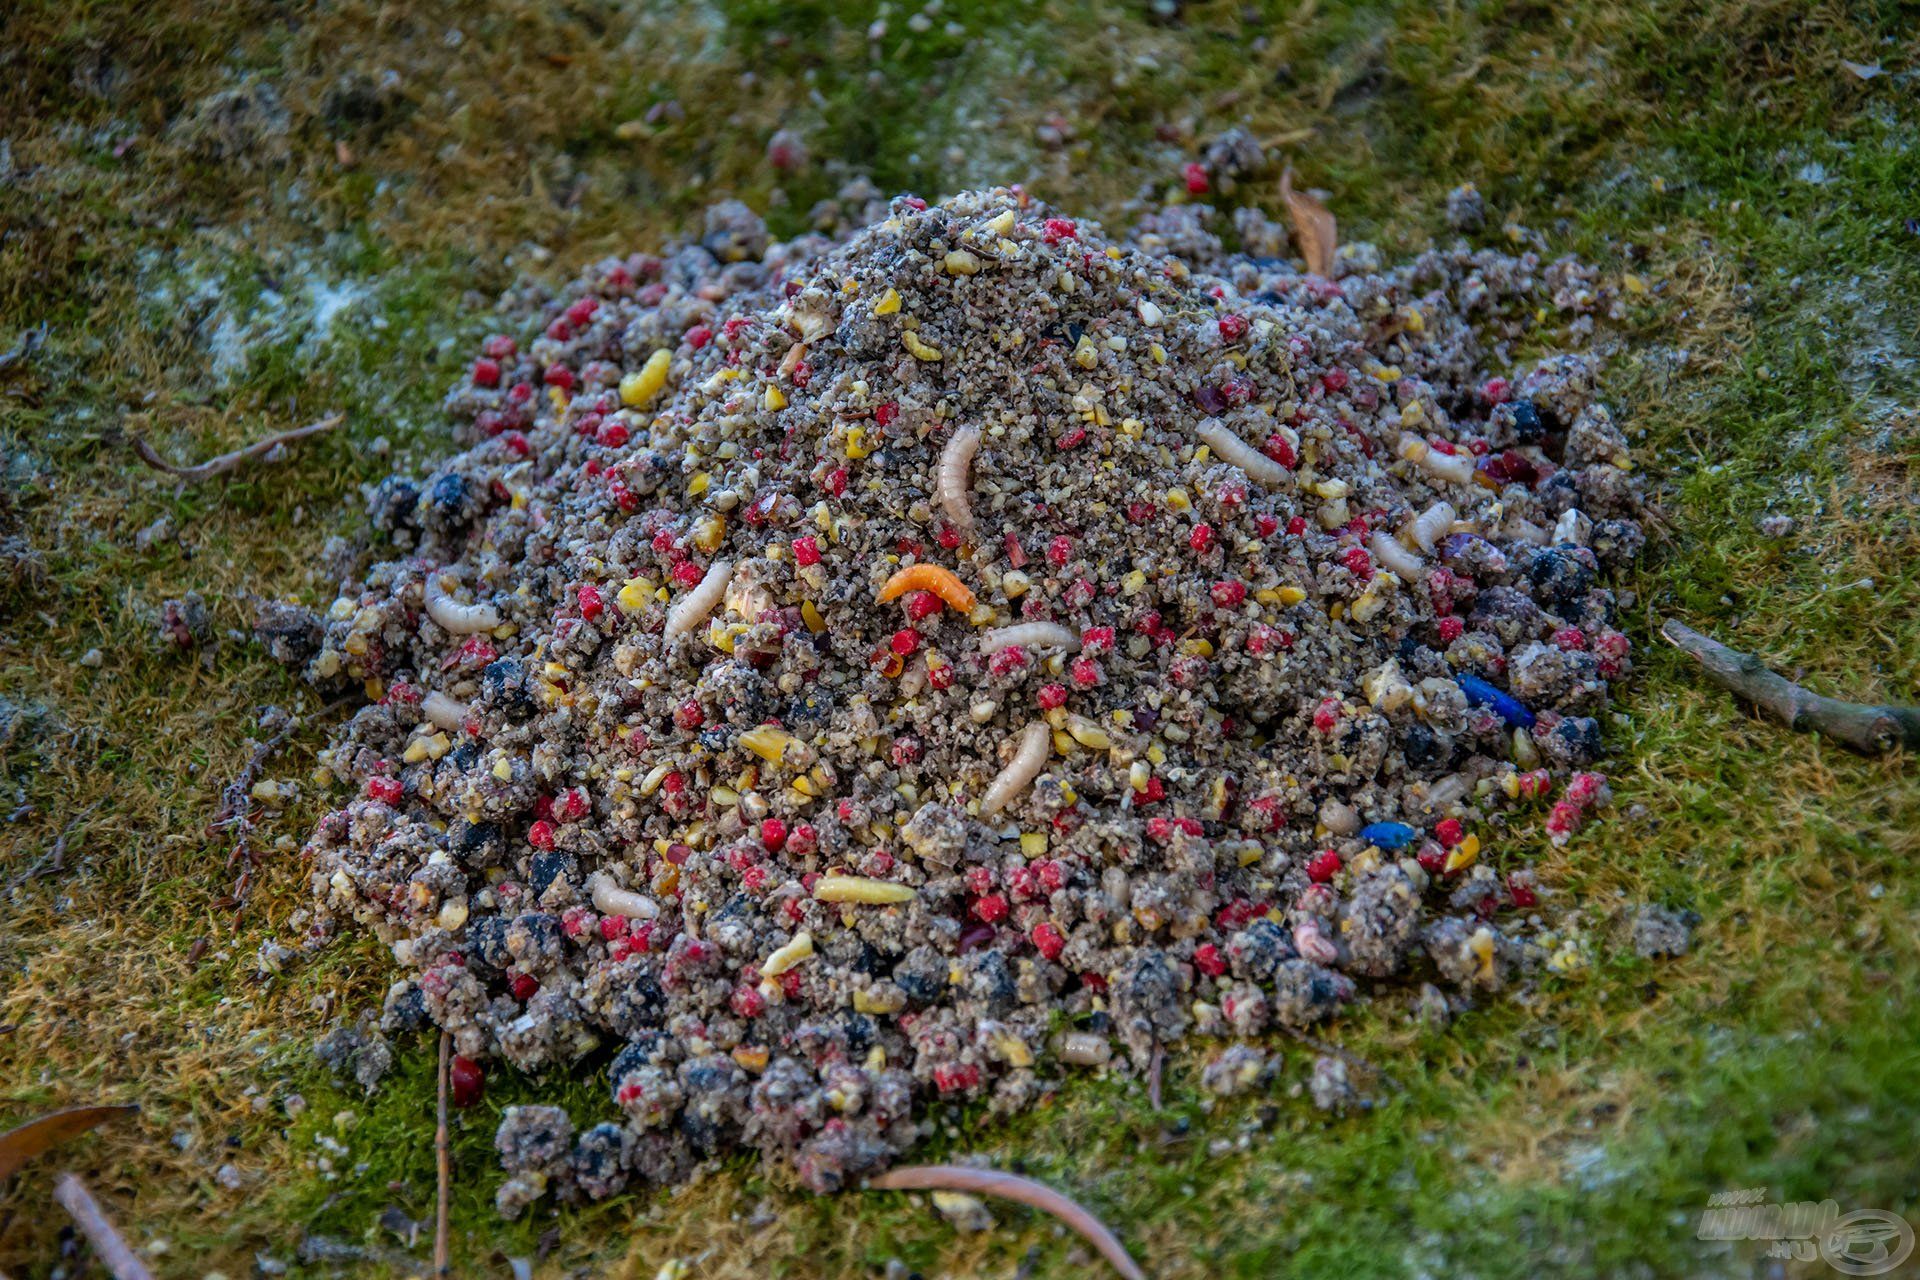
[
  {"x": 747, "y": 1001},
  {"x": 1281, "y": 450},
  {"x": 1007, "y": 661},
  {"x": 582, "y": 311},
  {"x": 806, "y": 551},
  {"x": 1095, "y": 641},
  {"x": 1432, "y": 858},
  {"x": 1229, "y": 593},
  {"x": 1327, "y": 715},
  {"x": 1358, "y": 562},
  {"x": 1051, "y": 696},
  {"x": 540, "y": 834},
  {"x": 1449, "y": 832},
  {"x": 558, "y": 375},
  {"x": 520, "y": 393},
  {"x": 1095, "y": 982},
  {"x": 1208, "y": 960},
  {"x": 1570, "y": 638},
  {"x": 516, "y": 443},
  {"x": 468, "y": 1080},
  {"x": 1324, "y": 866},
  {"x": 699, "y": 336},
  {"x": 1495, "y": 391},
  {"x": 957, "y": 1078},
  {"x": 836, "y": 482},
  {"x": 689, "y": 715},
  {"x": 948, "y": 537},
  {"x": 991, "y": 908},
  {"x": 1233, "y": 328},
  {"x": 612, "y": 435},
  {"x": 886, "y": 414},
  {"x": 904, "y": 641},
  {"x": 1478, "y": 448},
  {"x": 1048, "y": 940},
  {"x": 1159, "y": 830},
  {"x": 1564, "y": 820},
  {"x": 790, "y": 983},
  {"x": 803, "y": 839},
  {"x": 499, "y": 347},
  {"x": 1194, "y": 175},
  {"x": 922, "y": 605},
  {"x": 575, "y": 921},
  {"x": 1201, "y": 538},
  {"x": 400, "y": 691},
  {"x": 1334, "y": 380},
  {"x": 591, "y": 605},
  {"x": 1297, "y": 526},
  {"x": 622, "y": 496},
  {"x": 732, "y": 327},
  {"x": 1451, "y": 629},
  {"x": 979, "y": 880},
  {"x": 1054, "y": 230},
  {"x": 676, "y": 854},
  {"x": 1139, "y": 512},
  {"x": 940, "y": 674},
  {"x": 386, "y": 790},
  {"x": 1053, "y": 876},
  {"x": 1155, "y": 792},
  {"x": 1084, "y": 672},
  {"x": 688, "y": 574},
  {"x": 1521, "y": 892},
  {"x": 1584, "y": 788},
  {"x": 1073, "y": 439},
  {"x": 486, "y": 373},
  {"x": 571, "y": 805},
  {"x": 773, "y": 834},
  {"x": 612, "y": 927},
  {"x": 1059, "y": 550},
  {"x": 1023, "y": 883}
]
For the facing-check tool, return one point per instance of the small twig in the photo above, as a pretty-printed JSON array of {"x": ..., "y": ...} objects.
[
  {"x": 1345, "y": 1055},
  {"x": 119, "y": 1260},
  {"x": 228, "y": 461},
  {"x": 443, "y": 1154},
  {"x": 1869, "y": 730},
  {"x": 955, "y": 1177}
]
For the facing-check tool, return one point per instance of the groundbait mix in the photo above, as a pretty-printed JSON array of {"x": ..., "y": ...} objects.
[{"x": 932, "y": 659}]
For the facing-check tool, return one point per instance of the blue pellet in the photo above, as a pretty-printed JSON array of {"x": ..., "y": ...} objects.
[
  {"x": 1388, "y": 835},
  {"x": 1482, "y": 694}
]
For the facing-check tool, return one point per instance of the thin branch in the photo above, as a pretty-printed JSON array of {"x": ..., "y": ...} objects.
[
  {"x": 120, "y": 1261},
  {"x": 956, "y": 1177},
  {"x": 443, "y": 1154},
  {"x": 1869, "y": 730},
  {"x": 228, "y": 461}
]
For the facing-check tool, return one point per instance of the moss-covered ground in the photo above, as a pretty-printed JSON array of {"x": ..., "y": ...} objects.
[{"x": 206, "y": 285}]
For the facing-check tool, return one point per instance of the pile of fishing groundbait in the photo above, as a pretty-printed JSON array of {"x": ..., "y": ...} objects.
[{"x": 934, "y": 660}]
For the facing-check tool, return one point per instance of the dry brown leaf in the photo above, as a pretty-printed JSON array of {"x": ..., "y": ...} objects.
[
  {"x": 957, "y": 1177},
  {"x": 17, "y": 1146},
  {"x": 1314, "y": 228}
]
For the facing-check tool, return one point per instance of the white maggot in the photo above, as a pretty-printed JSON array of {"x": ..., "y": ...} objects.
[
  {"x": 1029, "y": 635},
  {"x": 1036, "y": 745},
  {"x": 456, "y": 618},
  {"x": 1432, "y": 525},
  {"x": 444, "y": 712},
  {"x": 1233, "y": 449},
  {"x": 609, "y": 899},
  {"x": 1395, "y": 558},
  {"x": 956, "y": 481},
  {"x": 1454, "y": 468},
  {"x": 692, "y": 609}
]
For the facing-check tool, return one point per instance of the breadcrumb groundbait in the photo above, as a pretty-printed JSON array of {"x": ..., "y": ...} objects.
[{"x": 845, "y": 673}]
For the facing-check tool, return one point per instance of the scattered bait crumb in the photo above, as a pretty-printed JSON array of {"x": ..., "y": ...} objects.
[
  {"x": 184, "y": 624},
  {"x": 1466, "y": 208},
  {"x": 355, "y": 1050},
  {"x": 1775, "y": 525},
  {"x": 1662, "y": 932},
  {"x": 729, "y": 724},
  {"x": 1329, "y": 1086}
]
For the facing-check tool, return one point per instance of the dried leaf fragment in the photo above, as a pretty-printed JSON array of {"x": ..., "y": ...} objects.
[
  {"x": 17, "y": 1146},
  {"x": 1314, "y": 228},
  {"x": 954, "y": 1177}
]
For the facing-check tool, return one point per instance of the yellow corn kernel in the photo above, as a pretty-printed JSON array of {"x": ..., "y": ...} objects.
[
  {"x": 1480, "y": 946},
  {"x": 800, "y": 948},
  {"x": 1199, "y": 646},
  {"x": 1033, "y": 844},
  {"x": 918, "y": 347},
  {"x": 1134, "y": 583},
  {"x": 725, "y": 797},
  {"x": 767, "y": 742},
  {"x": 1156, "y": 755},
  {"x": 708, "y": 532},
  {"x": 1158, "y": 352},
  {"x": 961, "y": 263},
  {"x": 861, "y": 889},
  {"x": 1330, "y": 489},
  {"x": 1414, "y": 415},
  {"x": 416, "y": 751},
  {"x": 1062, "y": 742},
  {"x": 503, "y": 769},
  {"x": 633, "y": 597},
  {"x": 1014, "y": 1050},
  {"x": 888, "y": 304},
  {"x": 1463, "y": 855},
  {"x": 1177, "y": 500},
  {"x": 1250, "y": 855},
  {"x": 751, "y": 1058},
  {"x": 776, "y": 399},
  {"x": 636, "y": 389},
  {"x": 1085, "y": 354},
  {"x": 868, "y": 1000},
  {"x": 697, "y": 486},
  {"x": 1088, "y": 734},
  {"x": 857, "y": 443},
  {"x": 1000, "y": 224},
  {"x": 810, "y": 615}
]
